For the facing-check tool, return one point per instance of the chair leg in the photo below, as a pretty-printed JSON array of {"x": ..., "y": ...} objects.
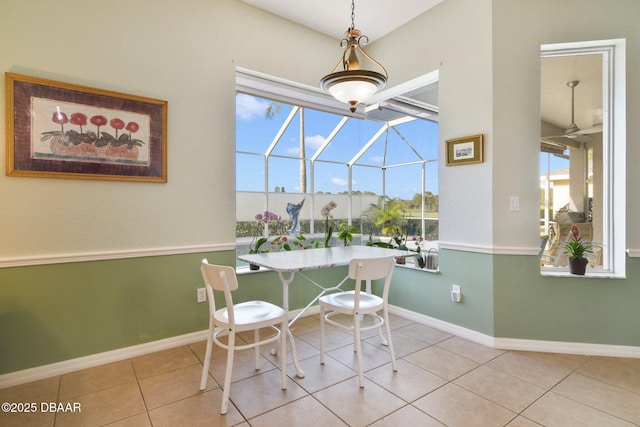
[
  {"x": 207, "y": 357},
  {"x": 283, "y": 354},
  {"x": 390, "y": 343},
  {"x": 322, "y": 314},
  {"x": 227, "y": 376},
  {"x": 382, "y": 337},
  {"x": 358, "y": 347},
  {"x": 256, "y": 338}
]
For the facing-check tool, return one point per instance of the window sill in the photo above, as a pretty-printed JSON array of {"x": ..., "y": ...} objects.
[
  {"x": 412, "y": 266},
  {"x": 588, "y": 275}
]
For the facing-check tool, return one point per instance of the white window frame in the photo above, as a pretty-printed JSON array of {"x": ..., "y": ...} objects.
[{"x": 614, "y": 149}]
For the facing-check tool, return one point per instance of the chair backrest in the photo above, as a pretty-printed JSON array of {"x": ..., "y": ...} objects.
[
  {"x": 220, "y": 278},
  {"x": 372, "y": 269}
]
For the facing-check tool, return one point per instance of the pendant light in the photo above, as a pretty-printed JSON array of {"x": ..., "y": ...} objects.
[{"x": 353, "y": 85}]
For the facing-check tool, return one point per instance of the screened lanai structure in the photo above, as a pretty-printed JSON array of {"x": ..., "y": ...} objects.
[{"x": 375, "y": 170}]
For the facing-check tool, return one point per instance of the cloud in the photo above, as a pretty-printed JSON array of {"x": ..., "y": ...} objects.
[
  {"x": 248, "y": 107},
  {"x": 314, "y": 141},
  {"x": 377, "y": 159},
  {"x": 339, "y": 181}
]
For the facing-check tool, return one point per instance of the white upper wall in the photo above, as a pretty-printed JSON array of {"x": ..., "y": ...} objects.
[{"x": 186, "y": 53}]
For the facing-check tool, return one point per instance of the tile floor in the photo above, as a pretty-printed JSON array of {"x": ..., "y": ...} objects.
[{"x": 442, "y": 380}]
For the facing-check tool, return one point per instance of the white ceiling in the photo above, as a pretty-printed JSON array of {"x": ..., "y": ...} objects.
[{"x": 374, "y": 18}]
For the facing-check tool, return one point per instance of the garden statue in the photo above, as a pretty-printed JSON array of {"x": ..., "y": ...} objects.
[{"x": 293, "y": 211}]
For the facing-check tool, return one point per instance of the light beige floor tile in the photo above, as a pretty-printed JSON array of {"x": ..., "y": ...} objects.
[
  {"x": 621, "y": 373},
  {"x": 402, "y": 344},
  {"x": 172, "y": 386},
  {"x": 319, "y": 376},
  {"x": 396, "y": 322},
  {"x": 441, "y": 362},
  {"x": 262, "y": 393},
  {"x": 454, "y": 406},
  {"x": 469, "y": 349},
  {"x": 425, "y": 333},
  {"x": 199, "y": 349},
  {"x": 334, "y": 338},
  {"x": 36, "y": 391},
  {"x": 244, "y": 366},
  {"x": 163, "y": 361},
  {"x": 530, "y": 367},
  {"x": 624, "y": 361},
  {"x": 372, "y": 357},
  {"x": 96, "y": 379},
  {"x": 359, "y": 406},
  {"x": 201, "y": 410},
  {"x": 409, "y": 383},
  {"x": 523, "y": 422},
  {"x": 555, "y": 410},
  {"x": 26, "y": 419},
  {"x": 300, "y": 413},
  {"x": 104, "y": 407},
  {"x": 140, "y": 420},
  {"x": 303, "y": 350},
  {"x": 407, "y": 416},
  {"x": 569, "y": 362},
  {"x": 600, "y": 395},
  {"x": 305, "y": 325},
  {"x": 508, "y": 391}
]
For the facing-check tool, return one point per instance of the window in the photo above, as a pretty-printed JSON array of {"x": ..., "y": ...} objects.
[
  {"x": 292, "y": 148},
  {"x": 582, "y": 161}
]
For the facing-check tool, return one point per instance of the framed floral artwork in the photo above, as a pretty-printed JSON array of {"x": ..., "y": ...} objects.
[{"x": 61, "y": 130}]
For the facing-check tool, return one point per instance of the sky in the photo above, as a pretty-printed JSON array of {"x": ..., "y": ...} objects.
[{"x": 255, "y": 134}]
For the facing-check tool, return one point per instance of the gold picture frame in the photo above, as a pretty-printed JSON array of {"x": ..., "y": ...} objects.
[
  {"x": 62, "y": 130},
  {"x": 465, "y": 150}
]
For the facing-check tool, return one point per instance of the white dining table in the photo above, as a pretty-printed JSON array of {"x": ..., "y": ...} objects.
[{"x": 296, "y": 262}]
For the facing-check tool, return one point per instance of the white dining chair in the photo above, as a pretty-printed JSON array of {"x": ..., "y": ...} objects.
[
  {"x": 358, "y": 303},
  {"x": 235, "y": 318}
]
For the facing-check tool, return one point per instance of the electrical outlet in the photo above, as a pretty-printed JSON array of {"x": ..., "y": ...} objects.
[
  {"x": 456, "y": 295},
  {"x": 202, "y": 295}
]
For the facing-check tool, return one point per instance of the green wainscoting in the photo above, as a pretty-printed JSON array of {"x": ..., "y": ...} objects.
[
  {"x": 57, "y": 312},
  {"x": 52, "y": 313},
  {"x": 430, "y": 293},
  {"x": 567, "y": 309}
]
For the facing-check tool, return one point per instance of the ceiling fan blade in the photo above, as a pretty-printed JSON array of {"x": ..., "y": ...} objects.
[{"x": 593, "y": 129}]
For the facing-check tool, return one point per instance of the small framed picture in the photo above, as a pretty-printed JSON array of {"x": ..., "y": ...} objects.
[
  {"x": 468, "y": 149},
  {"x": 61, "y": 130}
]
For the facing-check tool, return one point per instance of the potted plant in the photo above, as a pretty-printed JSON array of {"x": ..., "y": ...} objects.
[
  {"x": 346, "y": 232},
  {"x": 577, "y": 250},
  {"x": 256, "y": 249}
]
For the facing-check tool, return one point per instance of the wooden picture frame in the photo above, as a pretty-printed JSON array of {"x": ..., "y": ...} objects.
[
  {"x": 468, "y": 149},
  {"x": 62, "y": 130}
]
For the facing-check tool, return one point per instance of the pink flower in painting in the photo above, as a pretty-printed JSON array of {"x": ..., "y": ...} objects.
[
  {"x": 98, "y": 121},
  {"x": 132, "y": 127},
  {"x": 78, "y": 119},
  {"x": 117, "y": 124},
  {"x": 60, "y": 118}
]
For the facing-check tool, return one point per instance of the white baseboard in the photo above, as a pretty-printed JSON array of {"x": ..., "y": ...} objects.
[
  {"x": 586, "y": 349},
  {"x": 77, "y": 364}
]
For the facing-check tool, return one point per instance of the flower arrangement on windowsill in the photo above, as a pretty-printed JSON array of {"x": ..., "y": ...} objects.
[
  {"x": 325, "y": 212},
  {"x": 257, "y": 243},
  {"x": 577, "y": 250}
]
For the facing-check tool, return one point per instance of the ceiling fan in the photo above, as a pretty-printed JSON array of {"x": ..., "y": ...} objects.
[{"x": 573, "y": 135}]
